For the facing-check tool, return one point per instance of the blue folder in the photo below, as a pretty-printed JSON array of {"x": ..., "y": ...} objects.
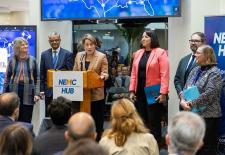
[
  {"x": 191, "y": 94},
  {"x": 152, "y": 92}
]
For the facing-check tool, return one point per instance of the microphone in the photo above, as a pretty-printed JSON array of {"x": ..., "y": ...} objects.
[{"x": 81, "y": 62}]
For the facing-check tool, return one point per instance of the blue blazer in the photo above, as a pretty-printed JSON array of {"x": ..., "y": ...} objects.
[
  {"x": 65, "y": 62},
  {"x": 181, "y": 73},
  {"x": 6, "y": 121}
]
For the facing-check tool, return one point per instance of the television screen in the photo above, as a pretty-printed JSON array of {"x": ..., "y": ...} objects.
[
  {"x": 108, "y": 9},
  {"x": 7, "y": 35}
]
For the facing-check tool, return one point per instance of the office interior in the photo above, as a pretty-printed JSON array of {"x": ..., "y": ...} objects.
[{"x": 174, "y": 32}]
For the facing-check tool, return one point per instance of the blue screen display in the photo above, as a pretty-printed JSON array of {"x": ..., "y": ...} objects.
[
  {"x": 100, "y": 9},
  {"x": 7, "y": 35}
]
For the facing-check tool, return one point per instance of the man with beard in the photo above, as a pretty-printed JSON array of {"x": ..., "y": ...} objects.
[{"x": 187, "y": 63}]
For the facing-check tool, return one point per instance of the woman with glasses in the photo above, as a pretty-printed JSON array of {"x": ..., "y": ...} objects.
[{"x": 207, "y": 78}]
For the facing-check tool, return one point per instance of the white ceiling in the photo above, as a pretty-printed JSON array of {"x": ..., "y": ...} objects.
[{"x": 7, "y": 6}]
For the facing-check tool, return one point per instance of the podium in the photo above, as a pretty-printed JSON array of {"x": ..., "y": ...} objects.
[{"x": 91, "y": 80}]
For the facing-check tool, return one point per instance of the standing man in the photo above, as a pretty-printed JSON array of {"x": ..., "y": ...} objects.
[
  {"x": 54, "y": 58},
  {"x": 187, "y": 63}
]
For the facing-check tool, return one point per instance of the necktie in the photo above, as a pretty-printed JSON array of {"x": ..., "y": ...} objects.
[
  {"x": 54, "y": 59},
  {"x": 190, "y": 64}
]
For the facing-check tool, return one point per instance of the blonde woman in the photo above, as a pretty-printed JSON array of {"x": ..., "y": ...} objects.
[
  {"x": 22, "y": 78},
  {"x": 128, "y": 134}
]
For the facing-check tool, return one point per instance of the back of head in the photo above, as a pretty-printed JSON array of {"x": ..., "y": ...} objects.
[
  {"x": 186, "y": 131},
  {"x": 8, "y": 103},
  {"x": 125, "y": 120},
  {"x": 81, "y": 125},
  {"x": 85, "y": 147},
  {"x": 15, "y": 140},
  {"x": 60, "y": 110}
]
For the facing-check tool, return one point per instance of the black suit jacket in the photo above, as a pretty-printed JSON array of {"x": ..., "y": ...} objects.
[
  {"x": 182, "y": 74},
  {"x": 50, "y": 142},
  {"x": 6, "y": 121},
  {"x": 65, "y": 62}
]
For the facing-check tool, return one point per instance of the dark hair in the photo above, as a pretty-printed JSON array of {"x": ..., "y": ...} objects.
[
  {"x": 15, "y": 140},
  {"x": 154, "y": 38},
  {"x": 8, "y": 103},
  {"x": 85, "y": 147},
  {"x": 60, "y": 110},
  {"x": 201, "y": 35}
]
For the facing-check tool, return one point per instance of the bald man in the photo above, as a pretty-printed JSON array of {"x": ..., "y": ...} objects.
[{"x": 81, "y": 125}]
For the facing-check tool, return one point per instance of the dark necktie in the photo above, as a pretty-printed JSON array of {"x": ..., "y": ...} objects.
[
  {"x": 54, "y": 59},
  {"x": 191, "y": 63}
]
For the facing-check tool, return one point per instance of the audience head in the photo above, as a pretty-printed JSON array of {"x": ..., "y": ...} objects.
[
  {"x": 54, "y": 40},
  {"x": 124, "y": 70},
  {"x": 85, "y": 147},
  {"x": 15, "y": 140},
  {"x": 125, "y": 120},
  {"x": 185, "y": 133},
  {"x": 150, "y": 39},
  {"x": 60, "y": 110},
  {"x": 197, "y": 39},
  {"x": 9, "y": 105},
  {"x": 81, "y": 125},
  {"x": 20, "y": 46},
  {"x": 89, "y": 43},
  {"x": 205, "y": 56}
]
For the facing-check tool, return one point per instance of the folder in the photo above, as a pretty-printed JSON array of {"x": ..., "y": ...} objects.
[
  {"x": 152, "y": 92},
  {"x": 190, "y": 94}
]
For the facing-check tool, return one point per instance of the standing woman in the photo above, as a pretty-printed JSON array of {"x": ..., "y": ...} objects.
[
  {"x": 22, "y": 78},
  {"x": 150, "y": 67},
  {"x": 91, "y": 59},
  {"x": 207, "y": 78}
]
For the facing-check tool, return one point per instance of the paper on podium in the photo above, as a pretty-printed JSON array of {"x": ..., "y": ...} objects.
[{"x": 152, "y": 92}]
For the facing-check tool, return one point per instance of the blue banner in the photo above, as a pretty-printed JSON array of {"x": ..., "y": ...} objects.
[{"x": 215, "y": 34}]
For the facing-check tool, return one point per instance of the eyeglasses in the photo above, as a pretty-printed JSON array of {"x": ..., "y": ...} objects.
[{"x": 194, "y": 41}]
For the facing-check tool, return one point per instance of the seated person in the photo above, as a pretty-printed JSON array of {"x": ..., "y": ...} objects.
[
  {"x": 9, "y": 111},
  {"x": 128, "y": 134},
  {"x": 52, "y": 140}
]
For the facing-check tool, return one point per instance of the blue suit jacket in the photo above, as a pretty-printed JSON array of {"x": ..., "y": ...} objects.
[
  {"x": 181, "y": 75},
  {"x": 6, "y": 121},
  {"x": 65, "y": 62}
]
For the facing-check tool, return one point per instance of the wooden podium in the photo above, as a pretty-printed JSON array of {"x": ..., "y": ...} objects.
[{"x": 91, "y": 80}]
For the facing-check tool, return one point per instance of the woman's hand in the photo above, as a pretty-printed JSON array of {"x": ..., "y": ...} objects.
[
  {"x": 132, "y": 97},
  {"x": 184, "y": 104},
  {"x": 103, "y": 76},
  {"x": 161, "y": 98}
]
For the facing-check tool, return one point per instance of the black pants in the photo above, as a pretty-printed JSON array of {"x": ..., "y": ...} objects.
[
  {"x": 26, "y": 111},
  {"x": 210, "y": 139},
  {"x": 48, "y": 100}
]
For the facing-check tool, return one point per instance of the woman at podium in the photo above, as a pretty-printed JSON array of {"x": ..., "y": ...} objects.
[{"x": 91, "y": 59}]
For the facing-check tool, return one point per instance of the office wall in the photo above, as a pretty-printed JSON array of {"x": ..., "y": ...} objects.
[{"x": 14, "y": 18}]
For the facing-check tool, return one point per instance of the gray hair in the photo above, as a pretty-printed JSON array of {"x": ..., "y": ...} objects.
[
  {"x": 54, "y": 34},
  {"x": 186, "y": 130},
  {"x": 17, "y": 43}
]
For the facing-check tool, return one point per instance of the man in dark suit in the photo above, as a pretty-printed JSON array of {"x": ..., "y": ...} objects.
[
  {"x": 187, "y": 63},
  {"x": 54, "y": 58},
  {"x": 52, "y": 140},
  {"x": 9, "y": 111}
]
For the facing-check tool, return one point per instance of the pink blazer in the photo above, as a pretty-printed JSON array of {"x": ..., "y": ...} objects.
[{"x": 157, "y": 70}]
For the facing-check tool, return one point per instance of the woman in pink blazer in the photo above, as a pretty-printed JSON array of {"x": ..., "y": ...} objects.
[{"x": 150, "y": 67}]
